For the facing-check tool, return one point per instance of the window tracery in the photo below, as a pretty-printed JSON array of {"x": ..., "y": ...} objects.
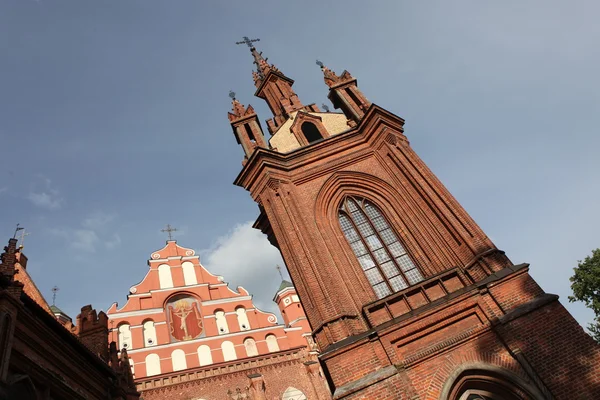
[{"x": 383, "y": 258}]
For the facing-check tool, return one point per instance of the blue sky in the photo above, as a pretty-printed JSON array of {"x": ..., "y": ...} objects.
[{"x": 113, "y": 123}]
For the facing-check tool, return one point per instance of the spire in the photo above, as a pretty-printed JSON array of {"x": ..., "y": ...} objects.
[
  {"x": 273, "y": 87},
  {"x": 262, "y": 67}
]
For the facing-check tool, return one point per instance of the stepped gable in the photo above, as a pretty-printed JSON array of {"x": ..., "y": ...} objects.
[{"x": 181, "y": 316}]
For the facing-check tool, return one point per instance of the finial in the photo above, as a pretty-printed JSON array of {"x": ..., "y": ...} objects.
[
  {"x": 232, "y": 94},
  {"x": 320, "y": 64},
  {"x": 55, "y": 289},
  {"x": 325, "y": 107},
  {"x": 169, "y": 229},
  {"x": 278, "y": 268}
]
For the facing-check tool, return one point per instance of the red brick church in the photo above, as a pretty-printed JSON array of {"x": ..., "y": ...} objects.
[
  {"x": 396, "y": 293},
  {"x": 407, "y": 297}
]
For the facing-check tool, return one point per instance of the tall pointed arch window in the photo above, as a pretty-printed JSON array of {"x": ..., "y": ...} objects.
[{"x": 382, "y": 257}]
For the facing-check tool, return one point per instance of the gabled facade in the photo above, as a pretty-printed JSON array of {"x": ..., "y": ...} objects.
[
  {"x": 406, "y": 295},
  {"x": 182, "y": 324}
]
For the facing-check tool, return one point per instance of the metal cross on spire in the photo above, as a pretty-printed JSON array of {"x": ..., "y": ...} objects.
[
  {"x": 169, "y": 229},
  {"x": 55, "y": 289},
  {"x": 278, "y": 268},
  {"x": 22, "y": 238},
  {"x": 248, "y": 42},
  {"x": 19, "y": 228}
]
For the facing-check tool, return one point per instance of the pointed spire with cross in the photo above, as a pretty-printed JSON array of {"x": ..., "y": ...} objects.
[
  {"x": 278, "y": 268},
  {"x": 169, "y": 229}
]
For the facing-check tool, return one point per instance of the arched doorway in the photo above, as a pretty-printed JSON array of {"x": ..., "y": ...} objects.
[{"x": 481, "y": 381}]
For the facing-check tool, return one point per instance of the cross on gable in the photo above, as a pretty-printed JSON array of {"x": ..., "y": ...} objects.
[{"x": 169, "y": 229}]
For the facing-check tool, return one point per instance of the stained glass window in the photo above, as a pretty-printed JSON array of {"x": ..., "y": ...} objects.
[{"x": 381, "y": 255}]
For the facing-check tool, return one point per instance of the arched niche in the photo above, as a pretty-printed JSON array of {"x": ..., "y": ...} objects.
[
  {"x": 228, "y": 350},
  {"x": 164, "y": 276},
  {"x": 152, "y": 365},
  {"x": 178, "y": 360},
  {"x": 125, "y": 341},
  {"x": 204, "y": 355},
  {"x": 189, "y": 273}
]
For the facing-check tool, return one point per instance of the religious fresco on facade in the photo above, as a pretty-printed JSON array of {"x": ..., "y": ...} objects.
[{"x": 184, "y": 319}]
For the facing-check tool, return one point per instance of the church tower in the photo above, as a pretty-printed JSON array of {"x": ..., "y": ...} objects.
[{"x": 407, "y": 297}]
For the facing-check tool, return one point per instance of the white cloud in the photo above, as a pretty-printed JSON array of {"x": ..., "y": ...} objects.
[
  {"x": 246, "y": 258},
  {"x": 92, "y": 234},
  {"x": 113, "y": 242},
  {"x": 97, "y": 220},
  {"x": 45, "y": 196},
  {"x": 78, "y": 239},
  {"x": 85, "y": 239}
]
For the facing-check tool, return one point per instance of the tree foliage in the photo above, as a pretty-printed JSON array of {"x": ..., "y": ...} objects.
[{"x": 585, "y": 284}]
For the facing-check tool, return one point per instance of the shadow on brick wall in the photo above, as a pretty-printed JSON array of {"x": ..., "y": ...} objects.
[{"x": 538, "y": 339}]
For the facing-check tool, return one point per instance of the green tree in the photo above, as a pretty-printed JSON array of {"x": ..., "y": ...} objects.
[{"x": 585, "y": 284}]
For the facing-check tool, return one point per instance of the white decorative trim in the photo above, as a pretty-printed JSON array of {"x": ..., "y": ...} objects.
[
  {"x": 155, "y": 256},
  {"x": 136, "y": 313},
  {"x": 296, "y": 320},
  {"x": 207, "y": 339},
  {"x": 228, "y": 300}
]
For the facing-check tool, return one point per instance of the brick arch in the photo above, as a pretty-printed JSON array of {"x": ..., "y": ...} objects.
[{"x": 457, "y": 365}]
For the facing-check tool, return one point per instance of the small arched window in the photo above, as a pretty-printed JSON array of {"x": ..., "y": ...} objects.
[
  {"x": 125, "y": 337},
  {"x": 164, "y": 276},
  {"x": 310, "y": 132},
  {"x": 204, "y": 355},
  {"x": 376, "y": 246},
  {"x": 250, "y": 345},
  {"x": 242, "y": 319},
  {"x": 228, "y": 350},
  {"x": 152, "y": 365},
  {"x": 178, "y": 360},
  {"x": 272, "y": 344},
  {"x": 221, "y": 322},
  {"x": 149, "y": 333}
]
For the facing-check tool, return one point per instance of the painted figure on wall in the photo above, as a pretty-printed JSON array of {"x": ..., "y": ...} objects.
[{"x": 184, "y": 318}]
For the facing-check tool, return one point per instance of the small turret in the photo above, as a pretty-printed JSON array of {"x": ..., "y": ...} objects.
[
  {"x": 289, "y": 304},
  {"x": 92, "y": 329},
  {"x": 344, "y": 93},
  {"x": 246, "y": 127}
]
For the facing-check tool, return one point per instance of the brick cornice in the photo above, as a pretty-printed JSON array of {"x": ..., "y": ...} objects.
[
  {"x": 452, "y": 298},
  {"x": 263, "y": 159}
]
